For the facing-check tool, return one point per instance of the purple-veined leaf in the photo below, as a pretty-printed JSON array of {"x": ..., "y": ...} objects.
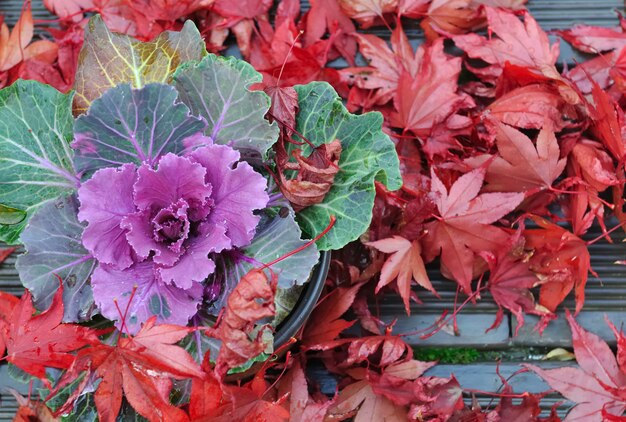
[
  {"x": 35, "y": 155},
  {"x": 275, "y": 237},
  {"x": 52, "y": 240},
  {"x": 108, "y": 59},
  {"x": 216, "y": 88},
  {"x": 129, "y": 125}
]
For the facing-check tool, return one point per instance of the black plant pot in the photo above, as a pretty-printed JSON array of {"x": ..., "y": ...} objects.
[
  {"x": 305, "y": 304},
  {"x": 297, "y": 317}
]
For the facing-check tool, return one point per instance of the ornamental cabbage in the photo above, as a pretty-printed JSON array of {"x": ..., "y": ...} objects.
[
  {"x": 156, "y": 228},
  {"x": 155, "y": 200}
]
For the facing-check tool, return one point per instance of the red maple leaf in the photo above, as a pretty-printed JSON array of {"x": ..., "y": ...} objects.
[
  {"x": 604, "y": 70},
  {"x": 325, "y": 323},
  {"x": 254, "y": 401},
  {"x": 368, "y": 12},
  {"x": 398, "y": 392},
  {"x": 448, "y": 18},
  {"x": 451, "y": 17},
  {"x": 595, "y": 164},
  {"x": 528, "y": 410},
  {"x": 239, "y": 10},
  {"x": 522, "y": 44},
  {"x": 598, "y": 385},
  {"x": 528, "y": 107},
  {"x": 8, "y": 302},
  {"x": 414, "y": 9},
  {"x": 302, "y": 407},
  {"x": 56, "y": 69},
  {"x": 463, "y": 228},
  {"x": 583, "y": 207},
  {"x": 386, "y": 350},
  {"x": 607, "y": 123},
  {"x": 591, "y": 163},
  {"x": 140, "y": 368},
  {"x": 521, "y": 165},
  {"x": 608, "y": 119},
  {"x": 594, "y": 39},
  {"x": 34, "y": 342},
  {"x": 282, "y": 59},
  {"x": 206, "y": 393},
  {"x": 510, "y": 281},
  {"x": 247, "y": 405},
  {"x": 69, "y": 10},
  {"x": 359, "y": 400},
  {"x": 385, "y": 65},
  {"x": 16, "y": 46},
  {"x": 240, "y": 18},
  {"x": 326, "y": 16},
  {"x": 430, "y": 99},
  {"x": 404, "y": 265},
  {"x": 562, "y": 261}
]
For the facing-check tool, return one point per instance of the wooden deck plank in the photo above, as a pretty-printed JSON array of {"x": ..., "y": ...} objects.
[
  {"x": 558, "y": 334},
  {"x": 482, "y": 376},
  {"x": 472, "y": 330}
]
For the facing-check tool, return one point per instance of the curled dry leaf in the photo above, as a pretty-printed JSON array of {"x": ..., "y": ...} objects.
[
  {"x": 284, "y": 106},
  {"x": 315, "y": 173},
  {"x": 250, "y": 301}
]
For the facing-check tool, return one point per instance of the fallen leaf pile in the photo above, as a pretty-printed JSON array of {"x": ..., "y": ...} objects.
[{"x": 508, "y": 159}]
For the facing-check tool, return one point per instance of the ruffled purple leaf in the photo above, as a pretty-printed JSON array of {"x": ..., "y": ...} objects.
[
  {"x": 237, "y": 191},
  {"x": 194, "y": 265},
  {"x": 105, "y": 200},
  {"x": 176, "y": 178},
  {"x": 171, "y": 200},
  {"x": 53, "y": 243},
  {"x": 159, "y": 227},
  {"x": 171, "y": 305},
  {"x": 128, "y": 125}
]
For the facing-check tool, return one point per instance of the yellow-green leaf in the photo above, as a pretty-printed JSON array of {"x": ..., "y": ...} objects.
[{"x": 108, "y": 59}]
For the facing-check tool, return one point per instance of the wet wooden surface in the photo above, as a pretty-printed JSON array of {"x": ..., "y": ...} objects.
[{"x": 606, "y": 295}]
